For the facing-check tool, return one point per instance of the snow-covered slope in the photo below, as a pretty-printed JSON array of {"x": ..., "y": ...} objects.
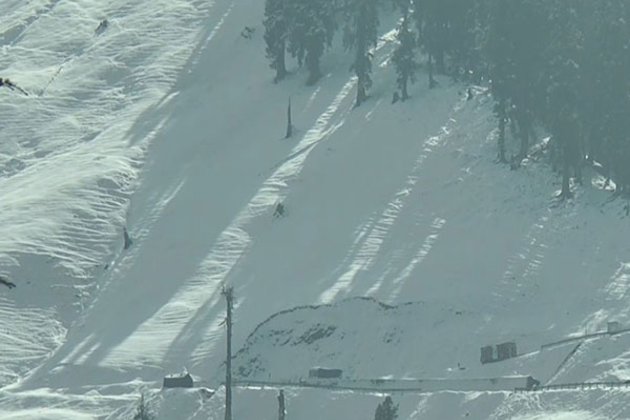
[
  {"x": 168, "y": 123},
  {"x": 401, "y": 341}
]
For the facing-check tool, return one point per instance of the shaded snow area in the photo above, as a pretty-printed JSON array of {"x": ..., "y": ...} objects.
[{"x": 166, "y": 122}]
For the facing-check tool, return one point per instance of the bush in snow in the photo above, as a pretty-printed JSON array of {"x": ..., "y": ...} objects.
[
  {"x": 386, "y": 410},
  {"x": 142, "y": 412}
]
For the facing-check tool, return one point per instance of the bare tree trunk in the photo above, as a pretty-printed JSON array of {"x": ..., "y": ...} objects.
[
  {"x": 502, "y": 123},
  {"x": 361, "y": 94},
  {"x": 281, "y": 68},
  {"x": 432, "y": 82},
  {"x": 439, "y": 61},
  {"x": 524, "y": 130},
  {"x": 289, "y": 122},
  {"x": 566, "y": 172},
  {"x": 405, "y": 94}
]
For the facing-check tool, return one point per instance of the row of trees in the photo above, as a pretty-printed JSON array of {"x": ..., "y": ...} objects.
[
  {"x": 306, "y": 28},
  {"x": 564, "y": 65},
  {"x": 561, "y": 65}
]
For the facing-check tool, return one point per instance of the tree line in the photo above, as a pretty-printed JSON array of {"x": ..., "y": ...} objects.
[{"x": 558, "y": 65}]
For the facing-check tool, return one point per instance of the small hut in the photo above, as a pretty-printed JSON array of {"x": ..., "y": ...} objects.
[
  {"x": 325, "y": 373},
  {"x": 487, "y": 354},
  {"x": 183, "y": 381}
]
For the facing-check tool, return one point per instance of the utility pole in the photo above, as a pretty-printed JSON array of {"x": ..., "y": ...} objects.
[
  {"x": 228, "y": 293},
  {"x": 281, "y": 407},
  {"x": 289, "y": 122}
]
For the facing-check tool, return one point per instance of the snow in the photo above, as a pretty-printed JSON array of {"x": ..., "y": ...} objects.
[{"x": 168, "y": 123}]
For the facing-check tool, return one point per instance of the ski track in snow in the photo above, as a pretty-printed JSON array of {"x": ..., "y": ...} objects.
[
  {"x": 174, "y": 322},
  {"x": 374, "y": 232},
  {"x": 203, "y": 289},
  {"x": 424, "y": 250}
]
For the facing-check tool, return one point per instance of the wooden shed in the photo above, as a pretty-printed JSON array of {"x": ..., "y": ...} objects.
[
  {"x": 184, "y": 381},
  {"x": 319, "y": 372},
  {"x": 487, "y": 354}
]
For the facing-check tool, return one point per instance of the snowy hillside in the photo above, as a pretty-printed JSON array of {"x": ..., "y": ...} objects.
[
  {"x": 168, "y": 123},
  {"x": 401, "y": 338}
]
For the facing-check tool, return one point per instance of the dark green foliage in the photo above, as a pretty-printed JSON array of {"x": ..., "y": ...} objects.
[
  {"x": 142, "y": 412},
  {"x": 404, "y": 58},
  {"x": 561, "y": 77},
  {"x": 276, "y": 25},
  {"x": 311, "y": 28},
  {"x": 516, "y": 37},
  {"x": 386, "y": 410},
  {"x": 361, "y": 34},
  {"x": 605, "y": 81},
  {"x": 562, "y": 66}
]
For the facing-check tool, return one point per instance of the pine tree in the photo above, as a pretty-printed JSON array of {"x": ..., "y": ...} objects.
[
  {"x": 562, "y": 80},
  {"x": 276, "y": 28},
  {"x": 361, "y": 34},
  {"x": 310, "y": 32},
  {"x": 386, "y": 410},
  {"x": 427, "y": 28},
  {"x": 404, "y": 57},
  {"x": 463, "y": 36},
  {"x": 516, "y": 35},
  {"x": 142, "y": 412},
  {"x": 605, "y": 82}
]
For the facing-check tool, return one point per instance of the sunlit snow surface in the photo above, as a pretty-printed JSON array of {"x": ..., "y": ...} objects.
[{"x": 168, "y": 123}]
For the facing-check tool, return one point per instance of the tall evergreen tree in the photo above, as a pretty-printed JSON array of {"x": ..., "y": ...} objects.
[
  {"x": 142, "y": 412},
  {"x": 606, "y": 83},
  {"x": 311, "y": 30},
  {"x": 276, "y": 30},
  {"x": 462, "y": 37},
  {"x": 562, "y": 81},
  {"x": 386, "y": 410},
  {"x": 514, "y": 47},
  {"x": 563, "y": 65},
  {"x": 404, "y": 56},
  {"x": 360, "y": 35}
]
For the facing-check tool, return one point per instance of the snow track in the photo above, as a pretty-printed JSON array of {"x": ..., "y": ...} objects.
[{"x": 202, "y": 291}]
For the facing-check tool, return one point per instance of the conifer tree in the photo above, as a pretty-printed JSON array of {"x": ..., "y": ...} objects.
[
  {"x": 426, "y": 30},
  {"x": 311, "y": 30},
  {"x": 605, "y": 82},
  {"x": 404, "y": 56},
  {"x": 386, "y": 410},
  {"x": 562, "y": 79},
  {"x": 516, "y": 35},
  {"x": 142, "y": 412},
  {"x": 360, "y": 35},
  {"x": 276, "y": 28}
]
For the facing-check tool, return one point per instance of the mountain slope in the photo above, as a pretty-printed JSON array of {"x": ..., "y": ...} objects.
[{"x": 397, "y": 202}]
